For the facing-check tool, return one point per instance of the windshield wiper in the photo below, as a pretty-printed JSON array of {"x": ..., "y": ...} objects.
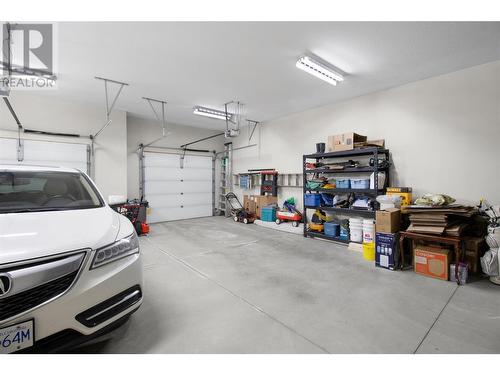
[
  {"x": 20, "y": 210},
  {"x": 43, "y": 209}
]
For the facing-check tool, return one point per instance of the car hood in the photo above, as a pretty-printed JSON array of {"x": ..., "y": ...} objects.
[{"x": 36, "y": 234}]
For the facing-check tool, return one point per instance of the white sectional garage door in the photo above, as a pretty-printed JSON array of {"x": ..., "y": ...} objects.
[
  {"x": 176, "y": 193},
  {"x": 53, "y": 154}
]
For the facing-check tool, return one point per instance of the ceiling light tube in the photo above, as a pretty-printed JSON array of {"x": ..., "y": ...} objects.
[
  {"x": 212, "y": 113},
  {"x": 319, "y": 69}
]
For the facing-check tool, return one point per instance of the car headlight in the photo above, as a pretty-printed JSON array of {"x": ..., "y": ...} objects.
[{"x": 118, "y": 250}]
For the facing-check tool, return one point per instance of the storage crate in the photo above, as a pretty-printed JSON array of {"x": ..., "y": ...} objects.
[
  {"x": 332, "y": 229},
  {"x": 343, "y": 184},
  {"x": 268, "y": 214},
  {"x": 357, "y": 183},
  {"x": 312, "y": 200}
]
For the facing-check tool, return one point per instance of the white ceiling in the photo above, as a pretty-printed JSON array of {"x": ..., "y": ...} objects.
[{"x": 208, "y": 64}]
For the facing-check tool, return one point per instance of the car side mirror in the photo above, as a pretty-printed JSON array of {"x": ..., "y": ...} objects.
[{"x": 116, "y": 199}]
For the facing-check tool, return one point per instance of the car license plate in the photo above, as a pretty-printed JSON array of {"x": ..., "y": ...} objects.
[{"x": 16, "y": 337}]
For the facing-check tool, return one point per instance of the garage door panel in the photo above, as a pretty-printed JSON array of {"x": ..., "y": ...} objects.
[
  {"x": 56, "y": 154},
  {"x": 157, "y": 173},
  {"x": 8, "y": 151},
  {"x": 197, "y": 174},
  {"x": 175, "y": 187},
  {"x": 179, "y": 200},
  {"x": 162, "y": 160},
  {"x": 159, "y": 215},
  {"x": 197, "y": 162},
  {"x": 176, "y": 193}
]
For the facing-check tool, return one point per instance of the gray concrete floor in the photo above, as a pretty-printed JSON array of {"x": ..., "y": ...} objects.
[{"x": 215, "y": 286}]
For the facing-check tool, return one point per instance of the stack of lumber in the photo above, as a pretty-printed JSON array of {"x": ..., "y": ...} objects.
[{"x": 448, "y": 220}]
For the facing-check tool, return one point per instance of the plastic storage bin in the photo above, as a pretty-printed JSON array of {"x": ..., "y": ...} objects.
[
  {"x": 358, "y": 183},
  {"x": 332, "y": 229},
  {"x": 268, "y": 214},
  {"x": 312, "y": 199},
  {"x": 343, "y": 184}
]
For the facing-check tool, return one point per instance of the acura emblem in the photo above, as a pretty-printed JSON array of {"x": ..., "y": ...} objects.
[{"x": 5, "y": 284}]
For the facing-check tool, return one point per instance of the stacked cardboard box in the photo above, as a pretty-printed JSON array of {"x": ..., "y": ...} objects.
[
  {"x": 255, "y": 203},
  {"x": 449, "y": 220},
  {"x": 386, "y": 238}
]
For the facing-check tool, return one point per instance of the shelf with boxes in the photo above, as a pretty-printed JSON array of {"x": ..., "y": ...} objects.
[
  {"x": 249, "y": 180},
  {"x": 321, "y": 168}
]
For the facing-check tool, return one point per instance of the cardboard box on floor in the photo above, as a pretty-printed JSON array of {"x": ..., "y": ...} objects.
[
  {"x": 248, "y": 203},
  {"x": 255, "y": 203},
  {"x": 388, "y": 221},
  {"x": 432, "y": 261},
  {"x": 474, "y": 250}
]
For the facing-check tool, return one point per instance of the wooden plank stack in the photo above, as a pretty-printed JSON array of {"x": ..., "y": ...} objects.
[{"x": 448, "y": 220}]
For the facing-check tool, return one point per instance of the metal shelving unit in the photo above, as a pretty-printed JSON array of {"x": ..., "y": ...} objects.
[{"x": 372, "y": 152}]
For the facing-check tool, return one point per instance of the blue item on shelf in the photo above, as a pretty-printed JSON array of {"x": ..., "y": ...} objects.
[
  {"x": 344, "y": 230},
  {"x": 312, "y": 200},
  {"x": 245, "y": 182},
  {"x": 343, "y": 184},
  {"x": 359, "y": 183},
  {"x": 268, "y": 213},
  {"x": 327, "y": 199},
  {"x": 332, "y": 229}
]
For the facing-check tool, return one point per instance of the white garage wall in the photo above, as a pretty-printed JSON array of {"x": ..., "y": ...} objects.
[
  {"x": 443, "y": 133},
  {"x": 140, "y": 130},
  {"x": 42, "y": 112}
]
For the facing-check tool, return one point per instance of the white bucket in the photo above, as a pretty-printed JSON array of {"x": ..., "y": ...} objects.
[
  {"x": 368, "y": 231},
  {"x": 356, "y": 229}
]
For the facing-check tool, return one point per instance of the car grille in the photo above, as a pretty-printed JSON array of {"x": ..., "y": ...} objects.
[{"x": 24, "y": 301}]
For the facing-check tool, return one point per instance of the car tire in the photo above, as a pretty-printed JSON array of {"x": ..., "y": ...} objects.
[
  {"x": 245, "y": 221},
  {"x": 295, "y": 224},
  {"x": 235, "y": 218},
  {"x": 278, "y": 221},
  {"x": 138, "y": 227}
]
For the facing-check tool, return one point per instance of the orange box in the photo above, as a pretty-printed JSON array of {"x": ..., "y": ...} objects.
[{"x": 431, "y": 261}]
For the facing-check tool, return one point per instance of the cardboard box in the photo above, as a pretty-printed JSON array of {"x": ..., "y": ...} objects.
[
  {"x": 388, "y": 221},
  {"x": 257, "y": 202},
  {"x": 475, "y": 248},
  {"x": 404, "y": 192},
  {"x": 249, "y": 204},
  {"x": 431, "y": 261},
  {"x": 344, "y": 142},
  {"x": 386, "y": 250}
]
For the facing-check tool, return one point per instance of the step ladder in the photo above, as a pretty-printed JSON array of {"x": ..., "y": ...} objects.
[{"x": 226, "y": 183}]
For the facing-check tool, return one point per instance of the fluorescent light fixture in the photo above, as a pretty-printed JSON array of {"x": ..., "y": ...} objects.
[
  {"x": 212, "y": 113},
  {"x": 319, "y": 69}
]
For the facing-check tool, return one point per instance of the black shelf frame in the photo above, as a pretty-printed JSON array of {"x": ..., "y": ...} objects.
[
  {"x": 360, "y": 212},
  {"x": 374, "y": 152}
]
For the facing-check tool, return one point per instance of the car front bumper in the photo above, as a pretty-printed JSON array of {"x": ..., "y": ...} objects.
[{"x": 99, "y": 298}]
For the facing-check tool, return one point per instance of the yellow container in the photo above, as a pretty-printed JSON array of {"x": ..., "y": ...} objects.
[
  {"x": 404, "y": 192},
  {"x": 369, "y": 251}
]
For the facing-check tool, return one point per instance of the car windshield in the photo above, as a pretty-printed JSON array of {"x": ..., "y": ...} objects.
[{"x": 29, "y": 191}]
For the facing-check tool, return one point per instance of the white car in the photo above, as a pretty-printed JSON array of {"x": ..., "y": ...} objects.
[{"x": 70, "y": 266}]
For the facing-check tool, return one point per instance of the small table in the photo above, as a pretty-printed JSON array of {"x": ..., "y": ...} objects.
[{"x": 455, "y": 241}]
